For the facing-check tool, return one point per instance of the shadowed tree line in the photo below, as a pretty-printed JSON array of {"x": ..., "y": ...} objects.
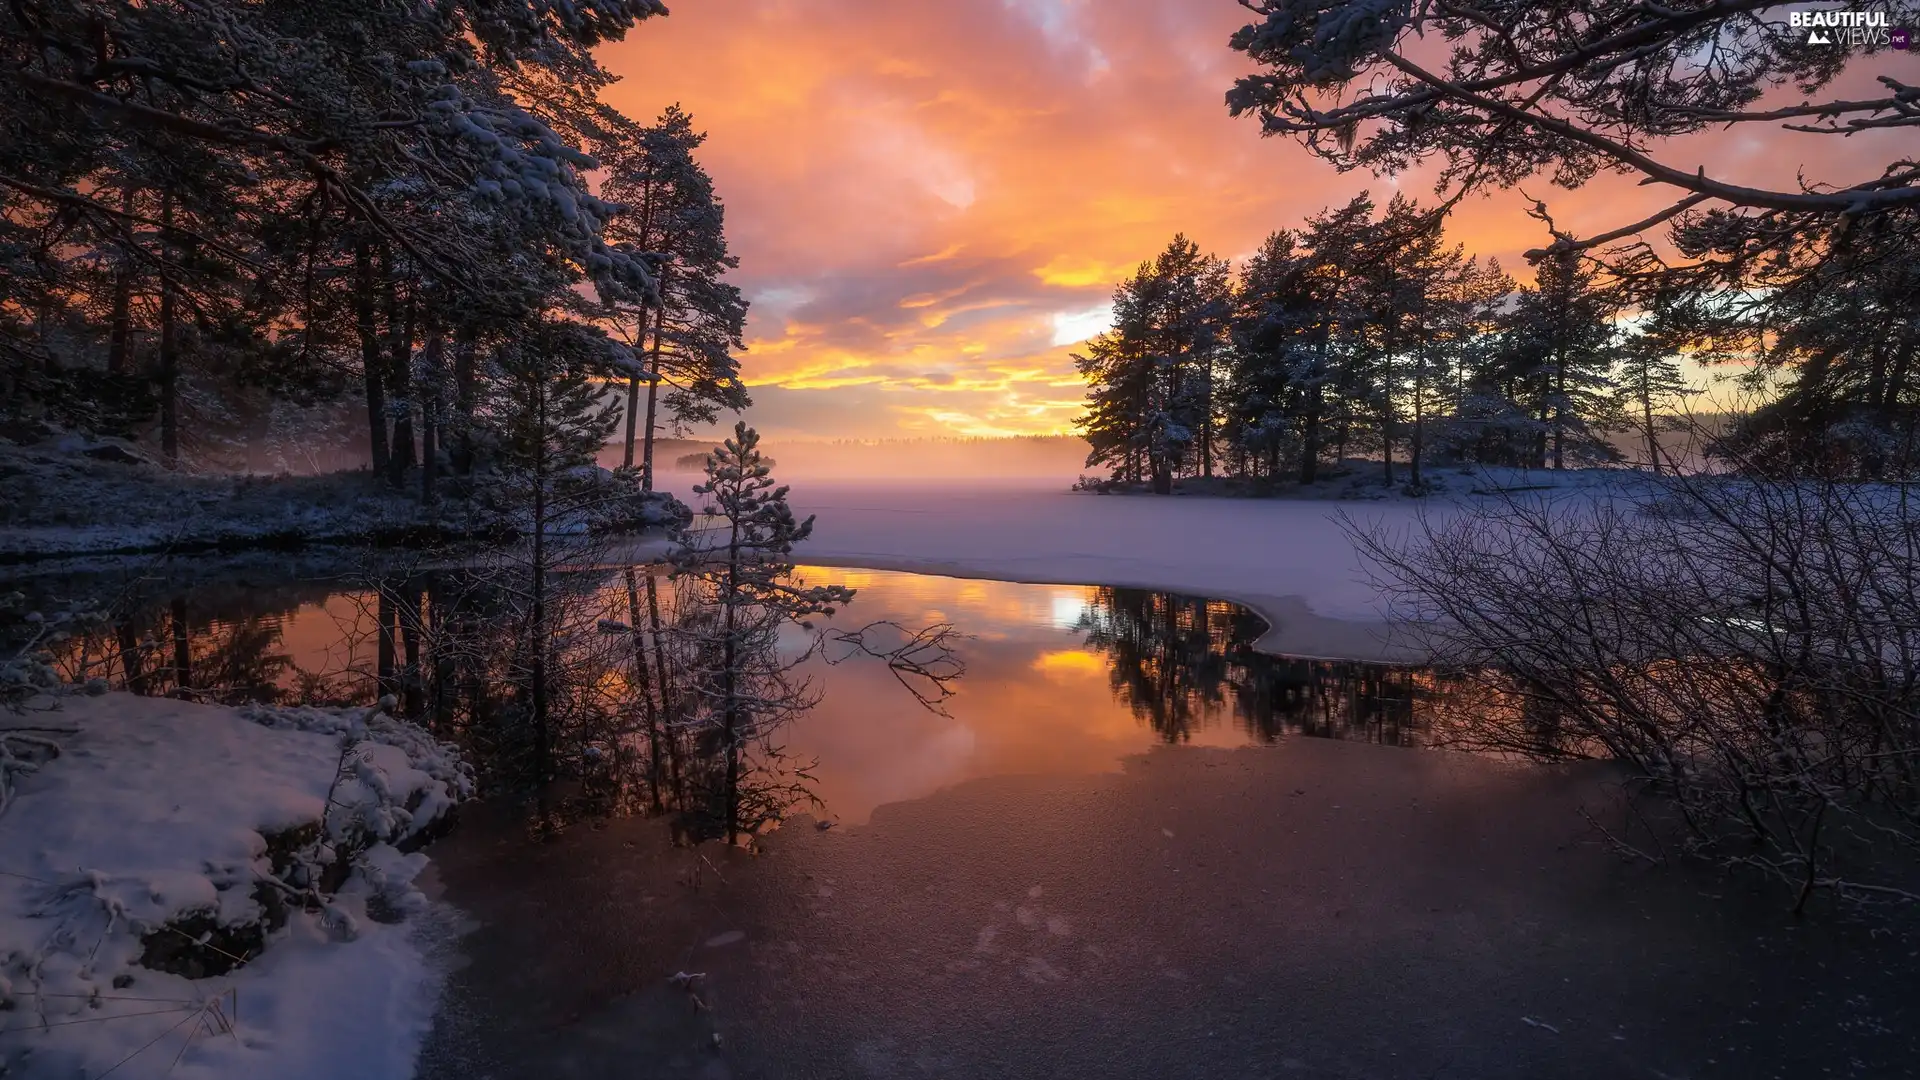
[
  {"x": 227, "y": 220},
  {"x": 1362, "y": 333}
]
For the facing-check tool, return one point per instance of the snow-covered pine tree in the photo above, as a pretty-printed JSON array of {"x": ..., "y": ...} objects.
[
  {"x": 1558, "y": 350},
  {"x": 1195, "y": 307},
  {"x": 1152, "y": 403},
  {"x": 359, "y": 135},
  {"x": 1119, "y": 385},
  {"x": 690, "y": 327}
]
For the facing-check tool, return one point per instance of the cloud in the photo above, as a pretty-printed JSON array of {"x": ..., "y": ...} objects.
[
  {"x": 1072, "y": 327},
  {"x": 932, "y": 202}
]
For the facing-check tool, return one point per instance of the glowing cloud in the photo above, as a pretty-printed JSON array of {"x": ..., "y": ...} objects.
[
  {"x": 1072, "y": 327},
  {"x": 931, "y": 202}
]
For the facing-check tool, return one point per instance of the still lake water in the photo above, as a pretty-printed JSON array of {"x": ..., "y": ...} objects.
[
  {"x": 1034, "y": 885},
  {"x": 1059, "y": 678}
]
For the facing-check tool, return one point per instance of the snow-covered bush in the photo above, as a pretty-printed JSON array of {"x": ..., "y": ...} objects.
[
  {"x": 394, "y": 784},
  {"x": 615, "y": 502},
  {"x": 27, "y": 671}
]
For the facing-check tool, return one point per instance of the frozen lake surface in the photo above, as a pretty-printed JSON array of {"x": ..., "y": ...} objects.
[
  {"x": 1310, "y": 909},
  {"x": 1289, "y": 560}
]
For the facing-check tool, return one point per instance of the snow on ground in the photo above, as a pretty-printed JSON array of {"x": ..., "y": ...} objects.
[
  {"x": 159, "y": 814},
  {"x": 1287, "y": 558}
]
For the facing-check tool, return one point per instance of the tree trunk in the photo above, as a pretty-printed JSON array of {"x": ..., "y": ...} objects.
[
  {"x": 169, "y": 372},
  {"x": 386, "y": 664},
  {"x": 1537, "y": 456},
  {"x": 463, "y": 395},
  {"x": 1310, "y": 439},
  {"x": 1386, "y": 411},
  {"x": 633, "y": 381},
  {"x": 1646, "y": 413},
  {"x": 400, "y": 376},
  {"x": 439, "y": 656},
  {"x": 1559, "y": 410},
  {"x": 182, "y": 648},
  {"x": 660, "y": 680},
  {"x": 541, "y": 747},
  {"x": 653, "y": 386},
  {"x": 132, "y": 666},
  {"x": 1206, "y": 420},
  {"x": 1418, "y": 445},
  {"x": 120, "y": 334},
  {"x": 432, "y": 360},
  {"x": 730, "y": 706},
  {"x": 633, "y": 419},
  {"x": 371, "y": 362},
  {"x": 643, "y": 680},
  {"x": 412, "y": 685}
]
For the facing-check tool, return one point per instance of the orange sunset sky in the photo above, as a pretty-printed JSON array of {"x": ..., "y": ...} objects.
[{"x": 932, "y": 201}]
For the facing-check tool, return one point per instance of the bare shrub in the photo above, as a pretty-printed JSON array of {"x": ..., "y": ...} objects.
[{"x": 1750, "y": 647}]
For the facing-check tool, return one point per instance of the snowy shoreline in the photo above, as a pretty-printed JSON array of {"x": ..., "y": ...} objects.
[
  {"x": 64, "y": 503},
  {"x": 1288, "y": 560},
  {"x": 228, "y": 888}
]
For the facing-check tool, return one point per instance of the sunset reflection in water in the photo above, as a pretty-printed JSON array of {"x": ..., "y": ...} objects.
[
  {"x": 1069, "y": 678},
  {"x": 1059, "y": 678}
]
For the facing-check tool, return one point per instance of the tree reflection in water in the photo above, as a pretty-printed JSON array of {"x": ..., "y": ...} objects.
[
  {"x": 630, "y": 678},
  {"x": 1182, "y": 663},
  {"x": 447, "y": 646}
]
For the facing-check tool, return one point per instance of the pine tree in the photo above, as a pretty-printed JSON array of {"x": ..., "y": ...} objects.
[
  {"x": 1337, "y": 368},
  {"x": 1451, "y": 333},
  {"x": 275, "y": 229},
  {"x": 551, "y": 421},
  {"x": 1559, "y": 344},
  {"x": 1827, "y": 330},
  {"x": 1404, "y": 267},
  {"x": 690, "y": 327},
  {"x": 1650, "y": 383},
  {"x": 1120, "y": 381},
  {"x": 738, "y": 590},
  {"x": 1274, "y": 379},
  {"x": 1152, "y": 409}
]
